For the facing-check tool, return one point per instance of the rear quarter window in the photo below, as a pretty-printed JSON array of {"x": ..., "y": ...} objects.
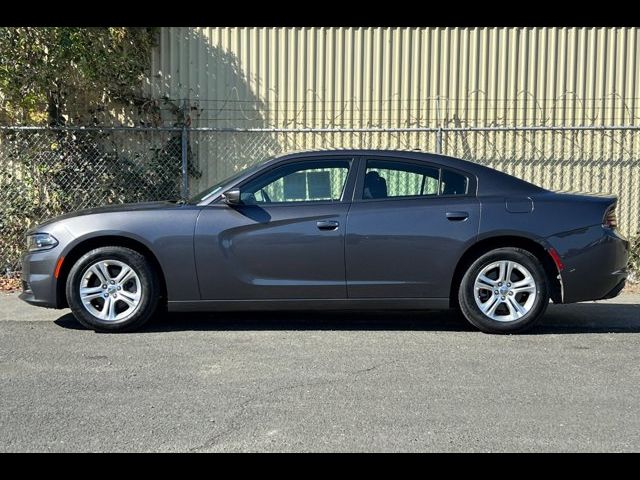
[{"x": 453, "y": 183}]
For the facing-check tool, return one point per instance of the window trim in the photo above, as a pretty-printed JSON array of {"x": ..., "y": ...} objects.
[
  {"x": 358, "y": 191},
  {"x": 347, "y": 191}
]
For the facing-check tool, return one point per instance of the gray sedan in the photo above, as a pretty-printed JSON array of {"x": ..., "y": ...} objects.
[{"x": 348, "y": 229}]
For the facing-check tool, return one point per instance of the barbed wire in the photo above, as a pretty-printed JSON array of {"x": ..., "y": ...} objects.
[{"x": 477, "y": 109}]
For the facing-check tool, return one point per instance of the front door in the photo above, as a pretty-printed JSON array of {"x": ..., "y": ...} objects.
[{"x": 286, "y": 239}]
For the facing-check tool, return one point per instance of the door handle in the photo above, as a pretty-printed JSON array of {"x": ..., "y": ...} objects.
[
  {"x": 457, "y": 216},
  {"x": 327, "y": 224}
]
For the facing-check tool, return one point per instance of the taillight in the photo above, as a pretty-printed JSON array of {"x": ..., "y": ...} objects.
[{"x": 610, "y": 220}]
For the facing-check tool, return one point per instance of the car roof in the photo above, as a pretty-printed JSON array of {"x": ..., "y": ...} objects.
[{"x": 489, "y": 180}]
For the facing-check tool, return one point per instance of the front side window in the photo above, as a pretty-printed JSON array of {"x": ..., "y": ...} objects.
[
  {"x": 309, "y": 181},
  {"x": 217, "y": 188},
  {"x": 389, "y": 179}
]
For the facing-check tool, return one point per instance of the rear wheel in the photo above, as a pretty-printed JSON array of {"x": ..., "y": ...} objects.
[
  {"x": 112, "y": 289},
  {"x": 504, "y": 291}
]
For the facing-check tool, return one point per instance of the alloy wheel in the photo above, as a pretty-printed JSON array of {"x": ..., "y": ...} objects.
[
  {"x": 505, "y": 291},
  {"x": 110, "y": 290}
]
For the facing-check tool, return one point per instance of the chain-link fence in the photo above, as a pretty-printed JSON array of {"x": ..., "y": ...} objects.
[{"x": 47, "y": 172}]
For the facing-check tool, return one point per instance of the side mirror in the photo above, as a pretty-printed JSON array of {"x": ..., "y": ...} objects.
[{"x": 232, "y": 197}]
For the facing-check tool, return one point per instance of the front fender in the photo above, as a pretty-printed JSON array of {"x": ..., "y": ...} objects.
[{"x": 167, "y": 235}]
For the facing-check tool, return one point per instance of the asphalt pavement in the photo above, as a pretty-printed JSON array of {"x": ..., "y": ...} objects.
[{"x": 412, "y": 381}]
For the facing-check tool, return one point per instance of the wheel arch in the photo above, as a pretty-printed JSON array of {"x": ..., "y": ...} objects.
[
  {"x": 88, "y": 244},
  {"x": 518, "y": 241}
]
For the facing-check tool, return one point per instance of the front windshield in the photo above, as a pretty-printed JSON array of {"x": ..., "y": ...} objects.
[{"x": 215, "y": 189}]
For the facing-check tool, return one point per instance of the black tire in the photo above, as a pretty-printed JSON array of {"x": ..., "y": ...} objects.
[
  {"x": 148, "y": 281},
  {"x": 473, "y": 313}
]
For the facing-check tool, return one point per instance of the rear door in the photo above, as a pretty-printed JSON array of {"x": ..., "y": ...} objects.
[{"x": 408, "y": 226}]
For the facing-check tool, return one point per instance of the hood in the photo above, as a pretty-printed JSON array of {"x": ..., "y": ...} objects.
[{"x": 124, "y": 207}]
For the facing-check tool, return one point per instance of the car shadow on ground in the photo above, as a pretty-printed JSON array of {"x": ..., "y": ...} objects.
[{"x": 576, "y": 318}]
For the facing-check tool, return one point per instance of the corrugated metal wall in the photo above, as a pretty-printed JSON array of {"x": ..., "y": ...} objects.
[{"x": 391, "y": 77}]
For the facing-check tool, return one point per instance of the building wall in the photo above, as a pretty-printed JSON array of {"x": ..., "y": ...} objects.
[{"x": 391, "y": 77}]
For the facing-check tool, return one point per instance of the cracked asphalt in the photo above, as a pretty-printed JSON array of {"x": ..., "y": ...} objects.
[{"x": 413, "y": 381}]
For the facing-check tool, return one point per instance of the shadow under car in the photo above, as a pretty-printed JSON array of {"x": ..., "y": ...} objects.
[{"x": 589, "y": 317}]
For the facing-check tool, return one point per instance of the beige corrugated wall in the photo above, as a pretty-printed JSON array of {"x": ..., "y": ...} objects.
[{"x": 390, "y": 77}]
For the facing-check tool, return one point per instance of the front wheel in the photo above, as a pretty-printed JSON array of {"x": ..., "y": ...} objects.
[
  {"x": 504, "y": 291},
  {"x": 112, "y": 289}
]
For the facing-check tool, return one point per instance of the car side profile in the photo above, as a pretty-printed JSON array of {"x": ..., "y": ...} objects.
[{"x": 346, "y": 229}]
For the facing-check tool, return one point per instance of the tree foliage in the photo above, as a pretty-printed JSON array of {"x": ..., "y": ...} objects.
[{"x": 42, "y": 68}]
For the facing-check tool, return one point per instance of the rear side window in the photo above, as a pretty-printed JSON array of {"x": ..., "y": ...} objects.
[{"x": 392, "y": 179}]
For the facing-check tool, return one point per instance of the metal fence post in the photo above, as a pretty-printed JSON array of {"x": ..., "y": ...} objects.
[
  {"x": 439, "y": 141},
  {"x": 185, "y": 176}
]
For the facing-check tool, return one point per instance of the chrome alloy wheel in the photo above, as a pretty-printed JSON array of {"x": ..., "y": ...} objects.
[
  {"x": 505, "y": 291},
  {"x": 110, "y": 290}
]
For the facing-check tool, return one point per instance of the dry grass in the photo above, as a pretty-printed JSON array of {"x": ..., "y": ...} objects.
[
  {"x": 11, "y": 284},
  {"x": 632, "y": 288}
]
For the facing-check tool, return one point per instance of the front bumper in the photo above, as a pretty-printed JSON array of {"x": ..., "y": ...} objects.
[
  {"x": 595, "y": 263},
  {"x": 38, "y": 282}
]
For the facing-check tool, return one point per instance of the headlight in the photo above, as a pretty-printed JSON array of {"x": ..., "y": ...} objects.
[{"x": 40, "y": 241}]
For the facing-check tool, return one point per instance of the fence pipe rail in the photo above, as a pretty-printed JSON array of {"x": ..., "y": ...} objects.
[{"x": 326, "y": 129}]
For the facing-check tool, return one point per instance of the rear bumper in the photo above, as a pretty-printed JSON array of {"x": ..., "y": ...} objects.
[
  {"x": 616, "y": 290},
  {"x": 595, "y": 263}
]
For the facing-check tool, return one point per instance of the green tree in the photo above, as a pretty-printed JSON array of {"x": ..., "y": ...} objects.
[{"x": 41, "y": 68}]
